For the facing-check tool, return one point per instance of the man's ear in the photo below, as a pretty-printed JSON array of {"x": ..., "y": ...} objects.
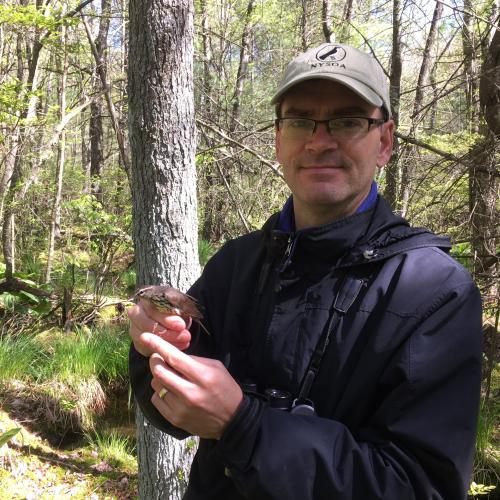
[
  {"x": 277, "y": 142},
  {"x": 386, "y": 143}
]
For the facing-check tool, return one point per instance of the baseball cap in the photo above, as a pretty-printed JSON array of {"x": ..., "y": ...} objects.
[{"x": 340, "y": 63}]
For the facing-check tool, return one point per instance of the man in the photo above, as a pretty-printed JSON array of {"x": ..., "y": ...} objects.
[{"x": 345, "y": 348}]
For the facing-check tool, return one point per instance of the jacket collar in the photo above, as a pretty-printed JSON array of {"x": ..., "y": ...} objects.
[
  {"x": 286, "y": 218},
  {"x": 368, "y": 236}
]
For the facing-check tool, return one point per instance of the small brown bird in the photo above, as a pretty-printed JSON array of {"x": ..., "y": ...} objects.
[{"x": 171, "y": 301}]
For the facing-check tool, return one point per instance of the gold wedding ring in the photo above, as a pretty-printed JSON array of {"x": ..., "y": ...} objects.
[{"x": 162, "y": 392}]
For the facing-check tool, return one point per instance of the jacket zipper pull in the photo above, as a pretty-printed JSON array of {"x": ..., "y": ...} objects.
[{"x": 286, "y": 255}]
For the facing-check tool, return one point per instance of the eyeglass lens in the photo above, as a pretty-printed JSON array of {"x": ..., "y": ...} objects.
[{"x": 341, "y": 128}]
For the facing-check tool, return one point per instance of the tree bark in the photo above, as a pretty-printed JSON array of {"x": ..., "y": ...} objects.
[
  {"x": 470, "y": 67},
  {"x": 489, "y": 87},
  {"x": 55, "y": 222},
  {"x": 205, "y": 100},
  {"x": 18, "y": 175},
  {"x": 408, "y": 163},
  {"x": 243, "y": 65},
  {"x": 205, "y": 104},
  {"x": 304, "y": 24},
  {"x": 425, "y": 67},
  {"x": 326, "y": 19},
  {"x": 345, "y": 31},
  {"x": 115, "y": 122},
  {"x": 97, "y": 108},
  {"x": 484, "y": 177},
  {"x": 162, "y": 140},
  {"x": 392, "y": 168},
  {"x": 484, "y": 159}
]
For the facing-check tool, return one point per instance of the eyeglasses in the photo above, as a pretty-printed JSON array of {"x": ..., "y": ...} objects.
[{"x": 343, "y": 128}]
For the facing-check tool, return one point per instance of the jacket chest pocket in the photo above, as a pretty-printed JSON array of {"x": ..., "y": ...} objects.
[{"x": 296, "y": 325}]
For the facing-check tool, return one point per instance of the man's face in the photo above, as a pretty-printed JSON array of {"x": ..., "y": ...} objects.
[{"x": 329, "y": 176}]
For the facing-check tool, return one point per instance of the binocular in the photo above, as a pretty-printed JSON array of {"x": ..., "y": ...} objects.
[{"x": 281, "y": 400}]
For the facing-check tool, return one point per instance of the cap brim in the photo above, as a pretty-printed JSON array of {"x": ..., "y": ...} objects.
[{"x": 365, "y": 92}]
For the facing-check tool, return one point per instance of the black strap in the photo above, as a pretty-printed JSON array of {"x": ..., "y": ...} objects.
[{"x": 346, "y": 295}]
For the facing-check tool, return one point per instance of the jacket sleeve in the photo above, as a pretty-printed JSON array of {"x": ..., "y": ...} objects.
[{"x": 418, "y": 445}]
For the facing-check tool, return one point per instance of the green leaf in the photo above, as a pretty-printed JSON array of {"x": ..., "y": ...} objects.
[
  {"x": 29, "y": 296},
  {"x": 6, "y": 436},
  {"x": 43, "y": 308}
]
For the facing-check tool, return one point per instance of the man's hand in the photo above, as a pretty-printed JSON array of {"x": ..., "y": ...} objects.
[
  {"x": 146, "y": 318},
  {"x": 201, "y": 396}
]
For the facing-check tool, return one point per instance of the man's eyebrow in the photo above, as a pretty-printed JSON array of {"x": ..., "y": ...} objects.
[
  {"x": 297, "y": 112},
  {"x": 350, "y": 111}
]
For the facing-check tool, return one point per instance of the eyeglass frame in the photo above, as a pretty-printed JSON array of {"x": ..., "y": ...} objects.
[{"x": 370, "y": 121}]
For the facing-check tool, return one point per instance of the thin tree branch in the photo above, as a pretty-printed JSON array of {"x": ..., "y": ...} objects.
[
  {"x": 77, "y": 9},
  {"x": 440, "y": 152},
  {"x": 222, "y": 134},
  {"x": 472, "y": 14},
  {"x": 231, "y": 195},
  {"x": 47, "y": 149},
  {"x": 109, "y": 101}
]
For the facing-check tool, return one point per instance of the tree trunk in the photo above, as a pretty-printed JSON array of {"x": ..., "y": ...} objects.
[
  {"x": 205, "y": 100},
  {"x": 243, "y": 65},
  {"x": 484, "y": 178},
  {"x": 209, "y": 177},
  {"x": 55, "y": 222},
  {"x": 304, "y": 24},
  {"x": 425, "y": 67},
  {"x": 345, "y": 28},
  {"x": 2, "y": 45},
  {"x": 14, "y": 136},
  {"x": 113, "y": 115},
  {"x": 483, "y": 197},
  {"x": 408, "y": 163},
  {"x": 85, "y": 153},
  {"x": 8, "y": 165},
  {"x": 392, "y": 168},
  {"x": 489, "y": 89},
  {"x": 96, "y": 108},
  {"x": 470, "y": 63},
  {"x": 18, "y": 175},
  {"x": 326, "y": 19},
  {"x": 162, "y": 139}
]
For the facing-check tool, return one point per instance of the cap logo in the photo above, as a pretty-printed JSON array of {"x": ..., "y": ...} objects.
[{"x": 331, "y": 53}]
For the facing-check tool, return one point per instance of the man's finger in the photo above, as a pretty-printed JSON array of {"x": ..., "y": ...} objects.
[
  {"x": 173, "y": 357},
  {"x": 166, "y": 377},
  {"x": 145, "y": 316}
]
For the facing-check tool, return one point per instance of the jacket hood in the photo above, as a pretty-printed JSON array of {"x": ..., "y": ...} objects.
[{"x": 369, "y": 236}]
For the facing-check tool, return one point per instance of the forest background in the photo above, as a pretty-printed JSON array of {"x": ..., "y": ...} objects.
[{"x": 65, "y": 194}]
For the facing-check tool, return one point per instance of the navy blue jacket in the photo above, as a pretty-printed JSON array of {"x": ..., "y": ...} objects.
[{"x": 397, "y": 392}]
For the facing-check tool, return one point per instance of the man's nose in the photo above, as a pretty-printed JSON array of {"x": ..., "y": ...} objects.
[{"x": 321, "y": 139}]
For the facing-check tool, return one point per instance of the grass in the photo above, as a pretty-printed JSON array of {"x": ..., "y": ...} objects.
[
  {"x": 18, "y": 356},
  {"x": 205, "y": 251},
  {"x": 52, "y": 355},
  {"x": 57, "y": 385},
  {"x": 59, "y": 378},
  {"x": 487, "y": 460},
  {"x": 114, "y": 448},
  {"x": 101, "y": 353}
]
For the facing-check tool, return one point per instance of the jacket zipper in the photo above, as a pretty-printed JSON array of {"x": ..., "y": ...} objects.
[{"x": 286, "y": 255}]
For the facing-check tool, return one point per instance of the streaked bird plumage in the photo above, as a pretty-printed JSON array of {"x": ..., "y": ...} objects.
[{"x": 169, "y": 300}]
